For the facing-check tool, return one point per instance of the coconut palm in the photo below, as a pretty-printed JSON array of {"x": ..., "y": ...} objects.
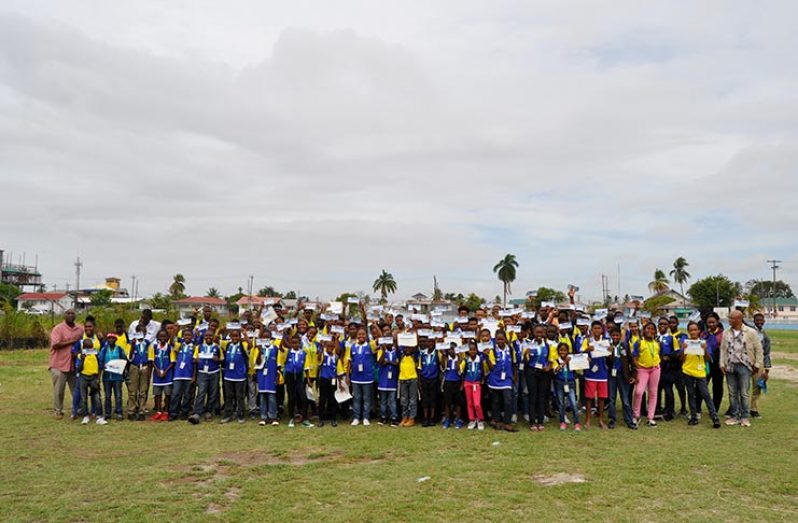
[
  {"x": 505, "y": 270},
  {"x": 213, "y": 292},
  {"x": 660, "y": 283},
  {"x": 178, "y": 286},
  {"x": 680, "y": 275},
  {"x": 384, "y": 284}
]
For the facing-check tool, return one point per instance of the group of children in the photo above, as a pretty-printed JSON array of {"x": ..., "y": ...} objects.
[{"x": 478, "y": 369}]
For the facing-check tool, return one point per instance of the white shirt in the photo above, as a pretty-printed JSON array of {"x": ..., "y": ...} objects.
[{"x": 151, "y": 330}]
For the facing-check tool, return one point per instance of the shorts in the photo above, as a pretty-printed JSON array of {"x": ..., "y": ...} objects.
[
  {"x": 596, "y": 388},
  {"x": 159, "y": 390}
]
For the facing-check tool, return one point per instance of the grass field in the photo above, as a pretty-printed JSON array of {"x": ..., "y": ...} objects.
[{"x": 62, "y": 471}]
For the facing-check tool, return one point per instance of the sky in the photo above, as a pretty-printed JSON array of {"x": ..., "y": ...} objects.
[{"x": 313, "y": 144}]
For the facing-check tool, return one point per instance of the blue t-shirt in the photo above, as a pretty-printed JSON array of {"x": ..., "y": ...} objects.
[
  {"x": 267, "y": 376},
  {"x": 389, "y": 370},
  {"x": 501, "y": 375},
  {"x": 138, "y": 353},
  {"x": 473, "y": 369},
  {"x": 295, "y": 362},
  {"x": 429, "y": 365},
  {"x": 329, "y": 366},
  {"x": 235, "y": 362},
  {"x": 598, "y": 366},
  {"x": 184, "y": 362},
  {"x": 162, "y": 358},
  {"x": 362, "y": 361},
  {"x": 451, "y": 368},
  {"x": 205, "y": 362}
]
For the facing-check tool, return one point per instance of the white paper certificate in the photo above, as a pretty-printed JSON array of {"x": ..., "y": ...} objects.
[
  {"x": 601, "y": 349},
  {"x": 579, "y": 362},
  {"x": 694, "y": 347}
]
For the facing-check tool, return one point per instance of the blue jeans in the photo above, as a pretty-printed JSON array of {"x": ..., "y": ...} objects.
[
  {"x": 116, "y": 388},
  {"x": 361, "y": 400},
  {"x": 559, "y": 387},
  {"x": 618, "y": 385},
  {"x": 96, "y": 408},
  {"x": 738, "y": 380},
  {"x": 408, "y": 394},
  {"x": 268, "y": 405},
  {"x": 388, "y": 404},
  {"x": 180, "y": 402},
  {"x": 207, "y": 389}
]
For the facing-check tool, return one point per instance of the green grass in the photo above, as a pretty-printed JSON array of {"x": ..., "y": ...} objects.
[
  {"x": 63, "y": 471},
  {"x": 783, "y": 341}
]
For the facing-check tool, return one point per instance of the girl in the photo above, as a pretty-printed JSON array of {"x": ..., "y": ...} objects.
[
  {"x": 234, "y": 378},
  {"x": 266, "y": 373},
  {"x": 596, "y": 375},
  {"x": 206, "y": 358},
  {"x": 184, "y": 378},
  {"x": 330, "y": 371},
  {"x": 295, "y": 375},
  {"x": 695, "y": 370},
  {"x": 564, "y": 384},
  {"x": 388, "y": 362},
  {"x": 621, "y": 379},
  {"x": 163, "y": 358},
  {"x": 502, "y": 375},
  {"x": 428, "y": 365},
  {"x": 713, "y": 335},
  {"x": 536, "y": 372},
  {"x": 452, "y": 384},
  {"x": 646, "y": 360},
  {"x": 472, "y": 369},
  {"x": 361, "y": 375}
]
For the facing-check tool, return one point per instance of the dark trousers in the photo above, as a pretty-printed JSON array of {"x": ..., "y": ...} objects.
[
  {"x": 716, "y": 375},
  {"x": 235, "y": 398},
  {"x": 618, "y": 385},
  {"x": 114, "y": 387},
  {"x": 429, "y": 392},
  {"x": 666, "y": 383},
  {"x": 697, "y": 390},
  {"x": 297, "y": 399},
  {"x": 502, "y": 401},
  {"x": 207, "y": 393},
  {"x": 537, "y": 385},
  {"x": 328, "y": 407},
  {"x": 180, "y": 402},
  {"x": 89, "y": 386}
]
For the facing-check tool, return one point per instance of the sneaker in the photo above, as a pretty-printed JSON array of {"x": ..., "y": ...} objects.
[
  {"x": 366, "y": 422},
  {"x": 85, "y": 420},
  {"x": 732, "y": 421},
  {"x": 140, "y": 416},
  {"x": 472, "y": 425},
  {"x": 394, "y": 422},
  {"x": 652, "y": 423},
  {"x": 716, "y": 423},
  {"x": 698, "y": 416},
  {"x": 577, "y": 428},
  {"x": 510, "y": 428},
  {"x": 563, "y": 426},
  {"x": 226, "y": 420},
  {"x": 533, "y": 428},
  {"x": 321, "y": 423},
  {"x": 540, "y": 428},
  {"x": 194, "y": 419},
  {"x": 526, "y": 418},
  {"x": 307, "y": 424},
  {"x": 334, "y": 423},
  {"x": 355, "y": 422},
  {"x": 745, "y": 423},
  {"x": 611, "y": 424},
  {"x": 101, "y": 421},
  {"x": 242, "y": 420},
  {"x": 755, "y": 414},
  {"x": 275, "y": 423},
  {"x": 458, "y": 424},
  {"x": 514, "y": 418},
  {"x": 445, "y": 423},
  {"x": 208, "y": 416},
  {"x": 171, "y": 418},
  {"x": 567, "y": 421},
  {"x": 291, "y": 424},
  {"x": 155, "y": 417},
  {"x": 262, "y": 423},
  {"x": 693, "y": 422},
  {"x": 120, "y": 417},
  {"x": 481, "y": 425},
  {"x": 633, "y": 425},
  {"x": 668, "y": 417}
]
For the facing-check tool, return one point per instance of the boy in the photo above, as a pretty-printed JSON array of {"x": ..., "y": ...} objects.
[
  {"x": 330, "y": 371},
  {"x": 621, "y": 379},
  {"x": 501, "y": 376},
  {"x": 112, "y": 381},
  {"x": 694, "y": 368},
  {"x": 163, "y": 358},
  {"x": 678, "y": 338},
  {"x": 266, "y": 370},
  {"x": 185, "y": 377},
  {"x": 452, "y": 383},
  {"x": 90, "y": 334},
  {"x": 428, "y": 365},
  {"x": 408, "y": 386},
  {"x": 671, "y": 368},
  {"x": 388, "y": 379},
  {"x": 206, "y": 358},
  {"x": 88, "y": 366},
  {"x": 138, "y": 376},
  {"x": 596, "y": 375},
  {"x": 760, "y": 379},
  {"x": 236, "y": 361}
]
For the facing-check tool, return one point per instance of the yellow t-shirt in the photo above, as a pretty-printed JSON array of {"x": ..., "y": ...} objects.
[
  {"x": 407, "y": 368},
  {"x": 694, "y": 365},
  {"x": 91, "y": 362},
  {"x": 648, "y": 354},
  {"x": 311, "y": 358}
]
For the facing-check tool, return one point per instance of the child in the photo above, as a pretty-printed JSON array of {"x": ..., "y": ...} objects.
[
  {"x": 185, "y": 376},
  {"x": 206, "y": 358},
  {"x": 502, "y": 374},
  {"x": 760, "y": 377},
  {"x": 678, "y": 338},
  {"x": 646, "y": 360},
  {"x": 621, "y": 379},
  {"x": 295, "y": 375},
  {"x": 88, "y": 334},
  {"x": 452, "y": 384},
  {"x": 361, "y": 375},
  {"x": 472, "y": 368},
  {"x": 408, "y": 386},
  {"x": 428, "y": 367},
  {"x": 139, "y": 371},
  {"x": 330, "y": 371},
  {"x": 564, "y": 384},
  {"x": 535, "y": 356},
  {"x": 112, "y": 381},
  {"x": 88, "y": 366},
  {"x": 671, "y": 367},
  {"x": 596, "y": 375},
  {"x": 388, "y": 363},
  {"x": 163, "y": 358},
  {"x": 266, "y": 373},
  {"x": 234, "y": 377},
  {"x": 694, "y": 368}
]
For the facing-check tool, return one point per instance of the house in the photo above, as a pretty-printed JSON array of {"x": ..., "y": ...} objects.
[
  {"x": 253, "y": 302},
  {"x": 786, "y": 308},
  {"x": 186, "y": 306},
  {"x": 44, "y": 301}
]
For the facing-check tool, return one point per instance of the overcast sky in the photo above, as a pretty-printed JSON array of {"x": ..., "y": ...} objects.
[{"x": 312, "y": 144}]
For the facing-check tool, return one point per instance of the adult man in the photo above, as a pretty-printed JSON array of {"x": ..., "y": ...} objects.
[
  {"x": 759, "y": 323},
  {"x": 740, "y": 358},
  {"x": 62, "y": 373},
  {"x": 151, "y": 327}
]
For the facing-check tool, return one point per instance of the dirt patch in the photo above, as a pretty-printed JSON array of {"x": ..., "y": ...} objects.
[
  {"x": 560, "y": 478},
  {"x": 213, "y": 508},
  {"x": 784, "y": 355},
  {"x": 783, "y": 372},
  {"x": 233, "y": 493},
  {"x": 255, "y": 458}
]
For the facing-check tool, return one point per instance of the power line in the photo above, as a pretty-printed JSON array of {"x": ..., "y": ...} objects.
[{"x": 774, "y": 265}]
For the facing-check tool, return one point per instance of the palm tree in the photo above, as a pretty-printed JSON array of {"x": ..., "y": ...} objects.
[
  {"x": 213, "y": 292},
  {"x": 660, "y": 283},
  {"x": 680, "y": 275},
  {"x": 178, "y": 286},
  {"x": 505, "y": 270},
  {"x": 385, "y": 284}
]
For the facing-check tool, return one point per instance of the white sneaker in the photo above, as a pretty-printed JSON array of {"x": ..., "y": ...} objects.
[
  {"x": 567, "y": 421},
  {"x": 732, "y": 421},
  {"x": 101, "y": 421},
  {"x": 85, "y": 420},
  {"x": 526, "y": 418},
  {"x": 366, "y": 422},
  {"x": 472, "y": 425},
  {"x": 355, "y": 422},
  {"x": 481, "y": 426},
  {"x": 515, "y": 418}
]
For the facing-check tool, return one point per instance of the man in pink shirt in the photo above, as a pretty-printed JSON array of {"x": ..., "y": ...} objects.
[{"x": 62, "y": 372}]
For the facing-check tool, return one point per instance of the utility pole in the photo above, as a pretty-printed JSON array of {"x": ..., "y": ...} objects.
[
  {"x": 132, "y": 289},
  {"x": 774, "y": 265},
  {"x": 78, "y": 266},
  {"x": 604, "y": 288},
  {"x": 249, "y": 293}
]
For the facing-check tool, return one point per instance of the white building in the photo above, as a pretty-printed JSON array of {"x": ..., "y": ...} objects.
[{"x": 57, "y": 302}]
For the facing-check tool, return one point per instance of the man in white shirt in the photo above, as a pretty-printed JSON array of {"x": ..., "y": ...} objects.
[{"x": 151, "y": 326}]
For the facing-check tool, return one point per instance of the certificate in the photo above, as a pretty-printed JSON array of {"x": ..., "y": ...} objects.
[
  {"x": 206, "y": 355},
  {"x": 385, "y": 340},
  {"x": 694, "y": 347},
  {"x": 116, "y": 366},
  {"x": 579, "y": 362},
  {"x": 457, "y": 340},
  {"x": 407, "y": 340},
  {"x": 601, "y": 349}
]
